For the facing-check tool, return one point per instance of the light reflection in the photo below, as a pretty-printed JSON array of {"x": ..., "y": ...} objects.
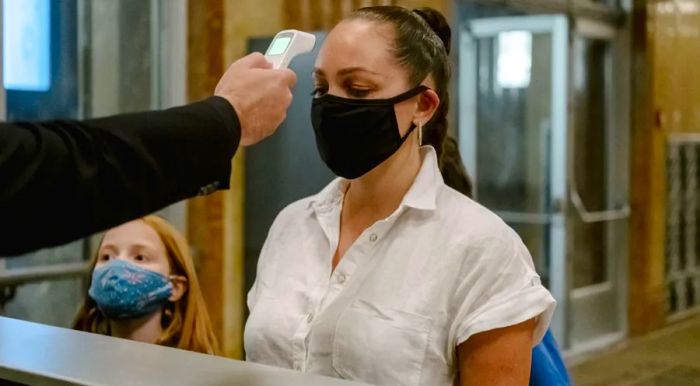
[
  {"x": 26, "y": 45},
  {"x": 514, "y": 59}
]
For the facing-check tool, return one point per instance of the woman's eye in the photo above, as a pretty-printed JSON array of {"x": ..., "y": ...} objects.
[
  {"x": 105, "y": 257},
  {"x": 139, "y": 258},
  {"x": 319, "y": 92},
  {"x": 358, "y": 92}
]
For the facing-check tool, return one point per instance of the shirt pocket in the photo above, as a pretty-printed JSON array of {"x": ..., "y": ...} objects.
[{"x": 380, "y": 345}]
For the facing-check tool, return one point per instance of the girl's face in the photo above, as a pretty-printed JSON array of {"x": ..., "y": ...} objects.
[
  {"x": 136, "y": 243},
  {"x": 139, "y": 244}
]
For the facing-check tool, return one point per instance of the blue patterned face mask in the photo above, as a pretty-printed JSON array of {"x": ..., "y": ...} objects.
[{"x": 126, "y": 291}]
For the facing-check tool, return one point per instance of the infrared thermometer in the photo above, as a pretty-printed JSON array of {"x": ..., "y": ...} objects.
[{"x": 286, "y": 45}]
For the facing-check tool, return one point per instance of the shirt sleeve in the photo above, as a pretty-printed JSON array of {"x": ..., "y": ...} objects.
[
  {"x": 504, "y": 290},
  {"x": 66, "y": 179}
]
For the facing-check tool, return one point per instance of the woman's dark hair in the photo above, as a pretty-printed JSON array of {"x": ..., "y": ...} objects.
[
  {"x": 453, "y": 170},
  {"x": 421, "y": 44}
]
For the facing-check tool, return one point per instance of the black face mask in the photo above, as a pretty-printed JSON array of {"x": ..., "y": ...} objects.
[{"x": 355, "y": 135}]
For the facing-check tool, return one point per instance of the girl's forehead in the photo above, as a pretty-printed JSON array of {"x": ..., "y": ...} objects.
[{"x": 133, "y": 232}]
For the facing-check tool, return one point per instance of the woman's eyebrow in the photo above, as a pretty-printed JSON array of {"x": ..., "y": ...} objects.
[
  {"x": 319, "y": 73},
  {"x": 350, "y": 70}
]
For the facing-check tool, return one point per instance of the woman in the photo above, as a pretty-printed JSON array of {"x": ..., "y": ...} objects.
[
  {"x": 388, "y": 276},
  {"x": 144, "y": 287}
]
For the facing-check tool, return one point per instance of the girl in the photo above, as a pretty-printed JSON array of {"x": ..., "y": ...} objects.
[{"x": 144, "y": 287}]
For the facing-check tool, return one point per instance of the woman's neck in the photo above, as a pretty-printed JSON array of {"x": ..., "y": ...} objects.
[
  {"x": 381, "y": 191},
  {"x": 146, "y": 329}
]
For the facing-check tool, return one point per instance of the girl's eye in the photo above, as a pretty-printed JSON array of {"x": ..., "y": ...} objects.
[
  {"x": 105, "y": 257},
  {"x": 139, "y": 258}
]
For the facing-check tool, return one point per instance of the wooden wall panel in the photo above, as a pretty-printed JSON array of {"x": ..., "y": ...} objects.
[
  {"x": 244, "y": 19},
  {"x": 665, "y": 100},
  {"x": 205, "y": 214},
  {"x": 322, "y": 15}
]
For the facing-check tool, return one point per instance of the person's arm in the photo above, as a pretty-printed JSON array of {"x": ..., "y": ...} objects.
[
  {"x": 62, "y": 180},
  {"x": 497, "y": 357},
  {"x": 502, "y": 310}
]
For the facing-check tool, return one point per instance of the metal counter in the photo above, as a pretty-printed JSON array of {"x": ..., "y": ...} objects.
[{"x": 37, "y": 354}]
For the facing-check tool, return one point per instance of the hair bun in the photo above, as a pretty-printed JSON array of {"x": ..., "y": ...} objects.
[{"x": 437, "y": 23}]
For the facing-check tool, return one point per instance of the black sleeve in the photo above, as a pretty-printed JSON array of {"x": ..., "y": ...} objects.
[{"x": 63, "y": 180}]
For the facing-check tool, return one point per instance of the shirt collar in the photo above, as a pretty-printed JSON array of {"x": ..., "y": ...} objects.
[{"x": 422, "y": 194}]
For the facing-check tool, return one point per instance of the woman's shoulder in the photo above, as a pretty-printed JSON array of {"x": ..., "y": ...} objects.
[
  {"x": 293, "y": 211},
  {"x": 473, "y": 220},
  {"x": 304, "y": 207},
  {"x": 483, "y": 237}
]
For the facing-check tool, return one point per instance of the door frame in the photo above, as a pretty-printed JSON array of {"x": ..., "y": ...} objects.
[
  {"x": 558, "y": 27},
  {"x": 615, "y": 285}
]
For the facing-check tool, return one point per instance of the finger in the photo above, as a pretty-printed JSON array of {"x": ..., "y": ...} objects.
[
  {"x": 278, "y": 123},
  {"x": 288, "y": 98},
  {"x": 288, "y": 77},
  {"x": 254, "y": 60}
]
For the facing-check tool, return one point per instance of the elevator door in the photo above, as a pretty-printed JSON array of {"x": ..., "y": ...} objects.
[{"x": 538, "y": 131}]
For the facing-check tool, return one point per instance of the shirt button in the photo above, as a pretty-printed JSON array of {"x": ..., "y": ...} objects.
[
  {"x": 310, "y": 318},
  {"x": 341, "y": 279},
  {"x": 373, "y": 237}
]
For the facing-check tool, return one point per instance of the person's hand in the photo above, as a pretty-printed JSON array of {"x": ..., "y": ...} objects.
[{"x": 259, "y": 94}]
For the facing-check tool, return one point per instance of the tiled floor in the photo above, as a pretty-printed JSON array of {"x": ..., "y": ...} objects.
[{"x": 666, "y": 358}]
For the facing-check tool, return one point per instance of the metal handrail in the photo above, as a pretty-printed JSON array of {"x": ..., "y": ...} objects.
[
  {"x": 590, "y": 217},
  {"x": 18, "y": 276}
]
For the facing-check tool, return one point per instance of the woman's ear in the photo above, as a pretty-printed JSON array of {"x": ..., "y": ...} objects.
[
  {"x": 179, "y": 288},
  {"x": 427, "y": 105}
]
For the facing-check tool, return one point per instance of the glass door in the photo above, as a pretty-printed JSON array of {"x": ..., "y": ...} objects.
[
  {"x": 513, "y": 133},
  {"x": 597, "y": 190}
]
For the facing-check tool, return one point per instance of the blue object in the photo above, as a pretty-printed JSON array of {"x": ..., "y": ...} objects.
[
  {"x": 123, "y": 290},
  {"x": 548, "y": 368}
]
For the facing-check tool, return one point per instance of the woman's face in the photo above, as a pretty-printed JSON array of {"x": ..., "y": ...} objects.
[
  {"x": 136, "y": 243},
  {"x": 356, "y": 61}
]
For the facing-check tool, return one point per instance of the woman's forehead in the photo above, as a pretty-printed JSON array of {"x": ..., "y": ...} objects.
[{"x": 358, "y": 43}]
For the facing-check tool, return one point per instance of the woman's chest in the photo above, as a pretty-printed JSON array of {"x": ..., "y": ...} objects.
[{"x": 382, "y": 311}]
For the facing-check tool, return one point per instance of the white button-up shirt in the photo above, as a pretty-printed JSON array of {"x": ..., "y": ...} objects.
[{"x": 410, "y": 289}]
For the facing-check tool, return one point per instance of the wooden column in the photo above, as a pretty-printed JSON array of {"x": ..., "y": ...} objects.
[
  {"x": 218, "y": 35},
  {"x": 647, "y": 301},
  {"x": 205, "y": 214}
]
